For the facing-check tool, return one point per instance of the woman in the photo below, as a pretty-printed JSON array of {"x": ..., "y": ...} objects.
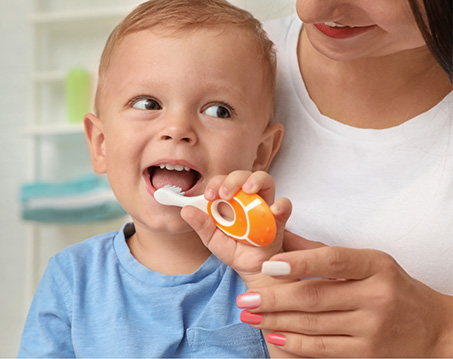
[{"x": 364, "y": 92}]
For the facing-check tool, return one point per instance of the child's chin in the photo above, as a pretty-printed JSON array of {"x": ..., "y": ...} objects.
[{"x": 176, "y": 227}]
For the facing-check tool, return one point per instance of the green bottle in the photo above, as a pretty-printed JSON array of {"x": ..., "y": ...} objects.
[{"x": 77, "y": 94}]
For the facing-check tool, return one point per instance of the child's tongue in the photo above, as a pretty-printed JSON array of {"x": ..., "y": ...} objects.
[{"x": 182, "y": 179}]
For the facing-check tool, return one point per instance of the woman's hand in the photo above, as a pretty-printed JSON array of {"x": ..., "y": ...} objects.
[{"x": 369, "y": 306}]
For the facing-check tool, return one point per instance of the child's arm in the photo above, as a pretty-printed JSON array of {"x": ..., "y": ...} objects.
[{"x": 246, "y": 260}]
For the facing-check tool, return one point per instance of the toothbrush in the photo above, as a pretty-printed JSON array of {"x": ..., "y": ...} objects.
[{"x": 253, "y": 222}]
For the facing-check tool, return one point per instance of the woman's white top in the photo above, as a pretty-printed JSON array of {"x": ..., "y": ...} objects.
[{"x": 389, "y": 189}]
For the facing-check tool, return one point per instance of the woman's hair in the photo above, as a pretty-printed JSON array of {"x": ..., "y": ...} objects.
[
  {"x": 177, "y": 17},
  {"x": 435, "y": 22}
]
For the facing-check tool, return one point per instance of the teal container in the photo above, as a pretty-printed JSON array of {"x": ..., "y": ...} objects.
[{"x": 77, "y": 94}]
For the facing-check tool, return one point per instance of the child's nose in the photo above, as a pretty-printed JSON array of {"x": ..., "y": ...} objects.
[{"x": 179, "y": 130}]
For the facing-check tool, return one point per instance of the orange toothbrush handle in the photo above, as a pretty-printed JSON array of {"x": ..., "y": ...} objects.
[{"x": 253, "y": 222}]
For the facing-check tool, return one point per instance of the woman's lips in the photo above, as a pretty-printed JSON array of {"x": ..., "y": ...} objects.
[{"x": 342, "y": 32}]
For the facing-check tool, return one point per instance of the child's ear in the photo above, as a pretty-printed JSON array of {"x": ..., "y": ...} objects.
[
  {"x": 94, "y": 132},
  {"x": 270, "y": 143}
]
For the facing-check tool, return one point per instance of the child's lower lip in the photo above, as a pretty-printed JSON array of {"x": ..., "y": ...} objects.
[{"x": 342, "y": 32}]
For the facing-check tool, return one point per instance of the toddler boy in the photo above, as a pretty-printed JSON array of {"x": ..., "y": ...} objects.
[{"x": 185, "y": 94}]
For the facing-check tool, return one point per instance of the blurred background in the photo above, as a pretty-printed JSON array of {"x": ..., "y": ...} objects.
[{"x": 49, "y": 197}]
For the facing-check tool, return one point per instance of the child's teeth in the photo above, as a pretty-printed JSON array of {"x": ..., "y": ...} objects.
[{"x": 170, "y": 167}]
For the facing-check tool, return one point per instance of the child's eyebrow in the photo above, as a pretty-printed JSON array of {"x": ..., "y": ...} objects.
[{"x": 226, "y": 88}]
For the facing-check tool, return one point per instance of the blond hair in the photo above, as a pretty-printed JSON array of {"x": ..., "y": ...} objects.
[{"x": 181, "y": 16}]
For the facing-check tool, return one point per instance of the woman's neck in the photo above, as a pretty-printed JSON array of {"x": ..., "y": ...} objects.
[
  {"x": 379, "y": 92},
  {"x": 169, "y": 254}
]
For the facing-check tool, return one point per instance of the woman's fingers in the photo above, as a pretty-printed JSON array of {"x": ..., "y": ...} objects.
[
  {"x": 326, "y": 323},
  {"x": 316, "y": 346},
  {"x": 313, "y": 295},
  {"x": 335, "y": 262}
]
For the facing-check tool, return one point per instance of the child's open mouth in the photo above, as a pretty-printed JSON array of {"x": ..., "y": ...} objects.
[{"x": 173, "y": 175}]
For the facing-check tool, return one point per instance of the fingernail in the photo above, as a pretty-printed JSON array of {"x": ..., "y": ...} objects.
[
  {"x": 275, "y": 209},
  {"x": 248, "y": 186},
  {"x": 224, "y": 192},
  {"x": 248, "y": 300},
  {"x": 209, "y": 194},
  {"x": 251, "y": 318},
  {"x": 276, "y": 339},
  {"x": 276, "y": 268}
]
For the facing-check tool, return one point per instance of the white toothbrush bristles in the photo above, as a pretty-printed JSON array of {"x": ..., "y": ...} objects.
[{"x": 175, "y": 189}]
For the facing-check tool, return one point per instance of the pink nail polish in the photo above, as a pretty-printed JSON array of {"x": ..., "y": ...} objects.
[
  {"x": 276, "y": 339},
  {"x": 251, "y": 318},
  {"x": 248, "y": 300}
]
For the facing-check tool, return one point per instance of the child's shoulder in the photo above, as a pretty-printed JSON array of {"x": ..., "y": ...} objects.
[
  {"x": 95, "y": 243},
  {"x": 83, "y": 253}
]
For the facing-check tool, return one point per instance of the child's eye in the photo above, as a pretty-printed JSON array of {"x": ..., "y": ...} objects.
[
  {"x": 221, "y": 111},
  {"x": 146, "y": 104}
]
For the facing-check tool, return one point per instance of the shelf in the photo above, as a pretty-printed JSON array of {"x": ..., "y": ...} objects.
[
  {"x": 54, "y": 129},
  {"x": 65, "y": 35},
  {"x": 58, "y": 17}
]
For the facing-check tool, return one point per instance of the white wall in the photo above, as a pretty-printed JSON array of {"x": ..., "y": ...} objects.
[
  {"x": 15, "y": 159},
  {"x": 15, "y": 67}
]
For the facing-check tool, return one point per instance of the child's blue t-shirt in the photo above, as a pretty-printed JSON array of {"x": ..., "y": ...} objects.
[{"x": 96, "y": 300}]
